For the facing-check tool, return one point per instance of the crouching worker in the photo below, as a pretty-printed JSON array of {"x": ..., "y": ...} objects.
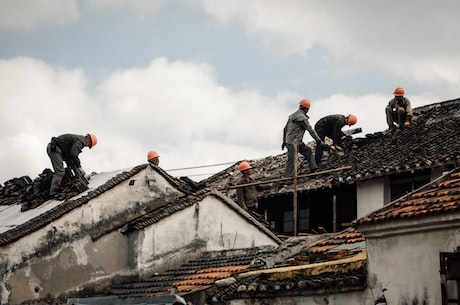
[
  {"x": 66, "y": 148},
  {"x": 399, "y": 110}
]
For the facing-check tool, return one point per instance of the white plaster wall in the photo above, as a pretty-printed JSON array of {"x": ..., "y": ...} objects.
[
  {"x": 211, "y": 221},
  {"x": 408, "y": 265},
  {"x": 370, "y": 196}
]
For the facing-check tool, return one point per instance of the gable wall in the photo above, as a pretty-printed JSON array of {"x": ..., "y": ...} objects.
[{"x": 206, "y": 226}]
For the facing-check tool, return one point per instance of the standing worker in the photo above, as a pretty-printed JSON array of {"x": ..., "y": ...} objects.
[
  {"x": 247, "y": 195},
  {"x": 331, "y": 126},
  {"x": 293, "y": 133},
  {"x": 66, "y": 148},
  {"x": 153, "y": 158},
  {"x": 398, "y": 110}
]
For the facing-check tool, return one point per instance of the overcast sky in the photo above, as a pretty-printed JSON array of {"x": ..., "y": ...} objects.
[{"x": 207, "y": 82}]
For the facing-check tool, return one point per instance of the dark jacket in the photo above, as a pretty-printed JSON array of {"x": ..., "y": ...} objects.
[
  {"x": 247, "y": 195},
  {"x": 71, "y": 146},
  {"x": 331, "y": 127}
]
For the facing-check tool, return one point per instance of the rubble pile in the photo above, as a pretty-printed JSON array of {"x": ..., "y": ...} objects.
[{"x": 32, "y": 193}]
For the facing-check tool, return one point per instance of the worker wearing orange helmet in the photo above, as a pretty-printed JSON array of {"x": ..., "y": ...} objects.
[
  {"x": 399, "y": 110},
  {"x": 66, "y": 148},
  {"x": 293, "y": 133},
  {"x": 153, "y": 158},
  {"x": 247, "y": 195},
  {"x": 331, "y": 126}
]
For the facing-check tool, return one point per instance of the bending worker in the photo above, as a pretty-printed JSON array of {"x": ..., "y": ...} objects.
[
  {"x": 293, "y": 133},
  {"x": 398, "y": 110},
  {"x": 66, "y": 148},
  {"x": 331, "y": 126}
]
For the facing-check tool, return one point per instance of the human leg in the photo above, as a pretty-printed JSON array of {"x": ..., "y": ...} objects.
[
  {"x": 58, "y": 167},
  {"x": 307, "y": 153},
  {"x": 290, "y": 160}
]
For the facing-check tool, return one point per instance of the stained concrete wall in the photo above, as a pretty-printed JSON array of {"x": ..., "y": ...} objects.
[
  {"x": 62, "y": 255},
  {"x": 403, "y": 257}
]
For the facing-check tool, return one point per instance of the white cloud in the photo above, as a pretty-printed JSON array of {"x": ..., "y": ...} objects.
[
  {"x": 418, "y": 41},
  {"x": 26, "y": 15},
  {"x": 174, "y": 107}
]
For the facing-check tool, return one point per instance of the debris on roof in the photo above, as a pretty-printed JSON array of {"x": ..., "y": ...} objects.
[{"x": 32, "y": 193}]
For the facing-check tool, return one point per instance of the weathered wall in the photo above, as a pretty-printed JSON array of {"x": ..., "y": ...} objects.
[
  {"x": 407, "y": 265},
  {"x": 77, "y": 263},
  {"x": 210, "y": 225},
  {"x": 62, "y": 255}
]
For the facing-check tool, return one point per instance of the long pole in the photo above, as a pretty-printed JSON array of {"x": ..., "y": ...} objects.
[
  {"x": 287, "y": 178},
  {"x": 294, "y": 195}
]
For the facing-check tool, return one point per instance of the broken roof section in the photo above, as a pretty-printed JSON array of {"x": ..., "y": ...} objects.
[
  {"x": 379, "y": 154},
  {"x": 16, "y": 223}
]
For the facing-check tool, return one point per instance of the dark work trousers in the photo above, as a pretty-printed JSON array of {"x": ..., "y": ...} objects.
[
  {"x": 58, "y": 167},
  {"x": 397, "y": 115},
  {"x": 319, "y": 149},
  {"x": 305, "y": 151}
]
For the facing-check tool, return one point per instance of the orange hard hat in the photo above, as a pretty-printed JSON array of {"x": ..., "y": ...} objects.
[
  {"x": 152, "y": 154},
  {"x": 399, "y": 91},
  {"x": 305, "y": 103},
  {"x": 352, "y": 120},
  {"x": 93, "y": 140},
  {"x": 244, "y": 166}
]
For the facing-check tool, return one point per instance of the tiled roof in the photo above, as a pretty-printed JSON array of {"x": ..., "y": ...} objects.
[
  {"x": 439, "y": 196},
  {"x": 262, "y": 269},
  {"x": 432, "y": 140},
  {"x": 63, "y": 208},
  {"x": 195, "y": 275}
]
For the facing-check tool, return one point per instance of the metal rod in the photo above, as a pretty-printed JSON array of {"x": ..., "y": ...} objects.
[{"x": 294, "y": 195}]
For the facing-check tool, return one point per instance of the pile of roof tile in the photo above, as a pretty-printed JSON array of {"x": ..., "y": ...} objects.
[{"x": 32, "y": 193}]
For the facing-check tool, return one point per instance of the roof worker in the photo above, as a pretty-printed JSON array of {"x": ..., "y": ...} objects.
[
  {"x": 293, "y": 133},
  {"x": 398, "y": 110},
  {"x": 153, "y": 158},
  {"x": 66, "y": 148},
  {"x": 331, "y": 126},
  {"x": 247, "y": 195}
]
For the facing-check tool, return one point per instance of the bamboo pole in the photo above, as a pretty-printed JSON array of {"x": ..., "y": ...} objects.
[{"x": 294, "y": 195}]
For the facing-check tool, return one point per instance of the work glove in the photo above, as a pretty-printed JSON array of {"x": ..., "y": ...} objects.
[{"x": 283, "y": 146}]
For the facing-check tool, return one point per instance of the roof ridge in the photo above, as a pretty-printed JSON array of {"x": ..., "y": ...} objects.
[{"x": 58, "y": 211}]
